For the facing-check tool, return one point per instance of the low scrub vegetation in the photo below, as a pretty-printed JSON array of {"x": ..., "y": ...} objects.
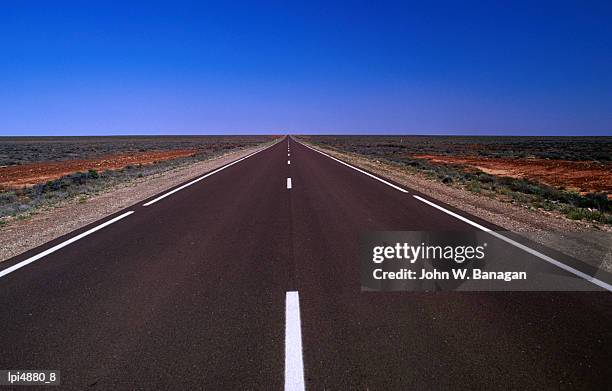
[
  {"x": 556, "y": 148},
  {"x": 24, "y": 150}
]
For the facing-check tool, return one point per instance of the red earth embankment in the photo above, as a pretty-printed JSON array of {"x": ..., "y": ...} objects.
[
  {"x": 33, "y": 173},
  {"x": 582, "y": 176}
]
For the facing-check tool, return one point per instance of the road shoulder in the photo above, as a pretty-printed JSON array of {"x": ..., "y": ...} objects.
[{"x": 48, "y": 223}]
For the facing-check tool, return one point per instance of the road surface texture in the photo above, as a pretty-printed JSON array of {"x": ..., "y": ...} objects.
[{"x": 247, "y": 279}]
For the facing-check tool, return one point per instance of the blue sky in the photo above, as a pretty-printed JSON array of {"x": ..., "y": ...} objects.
[{"x": 331, "y": 67}]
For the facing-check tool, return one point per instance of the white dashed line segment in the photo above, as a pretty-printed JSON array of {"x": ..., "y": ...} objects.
[{"x": 294, "y": 365}]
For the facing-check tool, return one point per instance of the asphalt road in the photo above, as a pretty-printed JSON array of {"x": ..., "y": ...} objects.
[{"x": 191, "y": 292}]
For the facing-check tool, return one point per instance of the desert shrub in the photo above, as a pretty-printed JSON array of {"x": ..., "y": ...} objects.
[
  {"x": 585, "y": 214},
  {"x": 473, "y": 186},
  {"x": 504, "y": 190},
  {"x": 8, "y": 197},
  {"x": 598, "y": 201}
]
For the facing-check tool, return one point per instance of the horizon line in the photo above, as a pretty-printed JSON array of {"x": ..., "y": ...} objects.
[{"x": 294, "y": 133}]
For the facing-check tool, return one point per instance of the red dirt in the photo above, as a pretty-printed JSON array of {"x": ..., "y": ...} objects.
[
  {"x": 31, "y": 174},
  {"x": 582, "y": 176}
]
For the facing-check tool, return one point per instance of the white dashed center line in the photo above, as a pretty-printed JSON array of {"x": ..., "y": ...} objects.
[
  {"x": 288, "y": 183},
  {"x": 294, "y": 365}
]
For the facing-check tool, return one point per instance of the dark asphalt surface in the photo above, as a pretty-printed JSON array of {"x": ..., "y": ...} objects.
[{"x": 189, "y": 293}]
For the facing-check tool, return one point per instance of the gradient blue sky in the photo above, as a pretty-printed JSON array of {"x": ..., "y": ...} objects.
[{"x": 356, "y": 67}]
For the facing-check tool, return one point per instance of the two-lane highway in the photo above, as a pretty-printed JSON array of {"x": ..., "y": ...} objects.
[{"x": 249, "y": 279}]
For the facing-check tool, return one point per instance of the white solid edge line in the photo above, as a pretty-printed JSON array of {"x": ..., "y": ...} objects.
[
  {"x": 61, "y": 245},
  {"x": 294, "y": 366},
  {"x": 288, "y": 183},
  {"x": 531, "y": 251},
  {"x": 360, "y": 170},
  {"x": 161, "y": 197}
]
